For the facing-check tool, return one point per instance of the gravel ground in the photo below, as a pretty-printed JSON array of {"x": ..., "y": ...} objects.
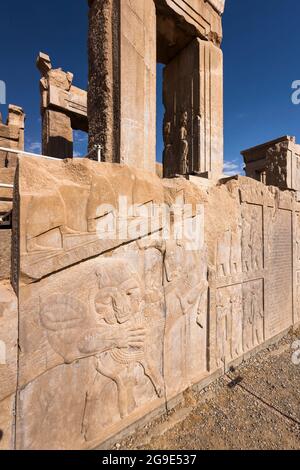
[{"x": 256, "y": 406}]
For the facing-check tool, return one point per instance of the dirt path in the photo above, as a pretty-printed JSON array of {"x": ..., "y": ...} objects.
[{"x": 255, "y": 407}]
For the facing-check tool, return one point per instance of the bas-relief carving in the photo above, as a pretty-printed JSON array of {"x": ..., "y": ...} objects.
[
  {"x": 168, "y": 150},
  {"x": 8, "y": 340},
  {"x": 106, "y": 329},
  {"x": 297, "y": 234},
  {"x": 76, "y": 213},
  {"x": 229, "y": 313},
  {"x": 253, "y": 315},
  {"x": 239, "y": 320},
  {"x": 193, "y": 94},
  {"x": 184, "y": 144},
  {"x": 186, "y": 292},
  {"x": 297, "y": 306},
  {"x": 176, "y": 137},
  {"x": 136, "y": 334},
  {"x": 8, "y": 363},
  {"x": 252, "y": 238},
  {"x": 276, "y": 165},
  {"x": 229, "y": 256}
]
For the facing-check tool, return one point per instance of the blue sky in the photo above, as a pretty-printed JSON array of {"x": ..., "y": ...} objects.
[{"x": 261, "y": 61}]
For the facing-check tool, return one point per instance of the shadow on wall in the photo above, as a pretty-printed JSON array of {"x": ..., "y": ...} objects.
[
  {"x": 160, "y": 110},
  {"x": 59, "y": 146}
]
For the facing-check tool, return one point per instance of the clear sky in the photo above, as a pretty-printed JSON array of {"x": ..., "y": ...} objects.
[{"x": 261, "y": 60}]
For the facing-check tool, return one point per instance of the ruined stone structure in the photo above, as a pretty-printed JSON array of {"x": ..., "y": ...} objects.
[
  {"x": 126, "y": 40},
  {"x": 115, "y": 328},
  {"x": 127, "y": 288},
  {"x": 11, "y": 135},
  {"x": 63, "y": 109},
  {"x": 275, "y": 163}
]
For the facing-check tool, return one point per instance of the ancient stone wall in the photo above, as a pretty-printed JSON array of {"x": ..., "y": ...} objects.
[
  {"x": 11, "y": 137},
  {"x": 114, "y": 328}
]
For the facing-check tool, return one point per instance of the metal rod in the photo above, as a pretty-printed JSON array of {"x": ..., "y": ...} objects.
[
  {"x": 99, "y": 151},
  {"x": 4, "y": 149}
]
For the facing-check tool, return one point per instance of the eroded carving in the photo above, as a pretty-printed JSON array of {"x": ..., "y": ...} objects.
[
  {"x": 186, "y": 291},
  {"x": 229, "y": 257},
  {"x": 113, "y": 330},
  {"x": 253, "y": 315},
  {"x": 168, "y": 150},
  {"x": 228, "y": 324},
  {"x": 252, "y": 238},
  {"x": 184, "y": 144}
]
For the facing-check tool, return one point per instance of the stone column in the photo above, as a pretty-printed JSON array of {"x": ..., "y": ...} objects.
[
  {"x": 122, "y": 81},
  {"x": 57, "y": 134}
]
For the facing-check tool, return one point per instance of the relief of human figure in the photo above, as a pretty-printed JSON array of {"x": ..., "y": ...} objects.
[
  {"x": 247, "y": 320},
  {"x": 224, "y": 254},
  {"x": 186, "y": 290},
  {"x": 222, "y": 328},
  {"x": 184, "y": 145},
  {"x": 246, "y": 241},
  {"x": 253, "y": 323},
  {"x": 168, "y": 162},
  {"x": 256, "y": 243},
  {"x": 258, "y": 318},
  {"x": 236, "y": 255},
  {"x": 112, "y": 330}
]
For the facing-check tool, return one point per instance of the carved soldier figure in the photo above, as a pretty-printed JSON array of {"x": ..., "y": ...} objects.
[
  {"x": 258, "y": 318},
  {"x": 253, "y": 323},
  {"x": 222, "y": 329},
  {"x": 256, "y": 243},
  {"x": 246, "y": 241},
  {"x": 184, "y": 145},
  {"x": 236, "y": 324},
  {"x": 168, "y": 162},
  {"x": 224, "y": 254}
]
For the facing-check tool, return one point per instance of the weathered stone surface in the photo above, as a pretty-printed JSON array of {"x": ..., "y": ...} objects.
[
  {"x": 124, "y": 40},
  {"x": 122, "y": 81},
  {"x": 193, "y": 123},
  {"x": 63, "y": 108},
  {"x": 7, "y": 423},
  {"x": 8, "y": 363},
  {"x": 110, "y": 330},
  {"x": 11, "y": 135},
  {"x": 74, "y": 194},
  {"x": 131, "y": 287},
  {"x": 275, "y": 163},
  {"x": 8, "y": 340},
  {"x": 105, "y": 336},
  {"x": 180, "y": 21},
  {"x": 5, "y": 250}
]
